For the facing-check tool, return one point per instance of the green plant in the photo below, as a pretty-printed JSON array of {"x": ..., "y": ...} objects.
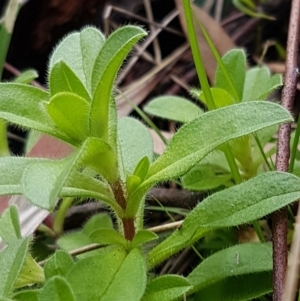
[
  {"x": 112, "y": 161},
  {"x": 249, "y": 9}
]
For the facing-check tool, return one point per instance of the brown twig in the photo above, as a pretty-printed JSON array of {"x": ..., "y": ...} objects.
[
  {"x": 94, "y": 246},
  {"x": 279, "y": 218}
]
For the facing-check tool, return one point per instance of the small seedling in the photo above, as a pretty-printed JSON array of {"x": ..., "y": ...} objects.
[{"x": 112, "y": 161}]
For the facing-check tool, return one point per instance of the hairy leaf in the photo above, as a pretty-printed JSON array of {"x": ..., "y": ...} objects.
[
  {"x": 141, "y": 237},
  {"x": 42, "y": 182},
  {"x": 58, "y": 264},
  {"x": 107, "y": 236},
  {"x": 131, "y": 153},
  {"x": 142, "y": 168},
  {"x": 26, "y": 77},
  {"x": 106, "y": 66},
  {"x": 63, "y": 79},
  {"x": 120, "y": 276},
  {"x": 166, "y": 288},
  {"x": 70, "y": 113},
  {"x": 235, "y": 65},
  {"x": 28, "y": 295},
  {"x": 11, "y": 262},
  {"x": 187, "y": 147},
  {"x": 247, "y": 287},
  {"x": 236, "y": 205},
  {"x": 239, "y": 260},
  {"x": 10, "y": 225},
  {"x": 79, "y": 184},
  {"x": 221, "y": 97},
  {"x": 57, "y": 289},
  {"x": 13, "y": 168},
  {"x": 24, "y": 105},
  {"x": 173, "y": 108},
  {"x": 79, "y": 51},
  {"x": 30, "y": 274},
  {"x": 203, "y": 178},
  {"x": 259, "y": 83}
]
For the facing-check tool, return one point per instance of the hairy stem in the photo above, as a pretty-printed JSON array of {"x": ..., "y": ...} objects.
[
  {"x": 127, "y": 223},
  {"x": 58, "y": 223}
]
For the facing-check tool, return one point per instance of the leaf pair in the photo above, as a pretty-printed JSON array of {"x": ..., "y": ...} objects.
[{"x": 88, "y": 73}]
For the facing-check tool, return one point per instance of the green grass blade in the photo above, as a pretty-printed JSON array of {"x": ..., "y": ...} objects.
[{"x": 197, "y": 55}]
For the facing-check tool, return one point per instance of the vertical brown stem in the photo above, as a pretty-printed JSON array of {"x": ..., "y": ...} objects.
[
  {"x": 129, "y": 229},
  {"x": 128, "y": 223},
  {"x": 283, "y": 152}
]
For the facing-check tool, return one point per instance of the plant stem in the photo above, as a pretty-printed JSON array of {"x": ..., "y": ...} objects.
[
  {"x": 295, "y": 145},
  {"x": 127, "y": 222},
  {"x": 4, "y": 149},
  {"x": 45, "y": 229},
  {"x": 262, "y": 152},
  {"x": 58, "y": 223},
  {"x": 279, "y": 218},
  {"x": 232, "y": 164},
  {"x": 258, "y": 231}
]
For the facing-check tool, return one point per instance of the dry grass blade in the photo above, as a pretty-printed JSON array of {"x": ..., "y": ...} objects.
[
  {"x": 152, "y": 36},
  {"x": 140, "y": 89}
]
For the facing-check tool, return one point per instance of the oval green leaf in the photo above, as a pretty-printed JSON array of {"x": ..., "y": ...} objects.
[
  {"x": 42, "y": 182},
  {"x": 237, "y": 205},
  {"x": 24, "y": 105},
  {"x": 166, "y": 288},
  {"x": 28, "y": 295},
  {"x": 30, "y": 274},
  {"x": 259, "y": 83},
  {"x": 141, "y": 237},
  {"x": 131, "y": 153},
  {"x": 10, "y": 224},
  {"x": 63, "y": 79},
  {"x": 79, "y": 51},
  {"x": 235, "y": 64},
  {"x": 119, "y": 276},
  {"x": 105, "y": 70},
  {"x": 57, "y": 289},
  {"x": 70, "y": 113},
  {"x": 199, "y": 137},
  {"x": 173, "y": 108},
  {"x": 13, "y": 168},
  {"x": 239, "y": 260},
  {"x": 247, "y": 287},
  {"x": 107, "y": 236},
  {"x": 26, "y": 77},
  {"x": 204, "y": 177},
  {"x": 11, "y": 262},
  {"x": 221, "y": 97},
  {"x": 58, "y": 264}
]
